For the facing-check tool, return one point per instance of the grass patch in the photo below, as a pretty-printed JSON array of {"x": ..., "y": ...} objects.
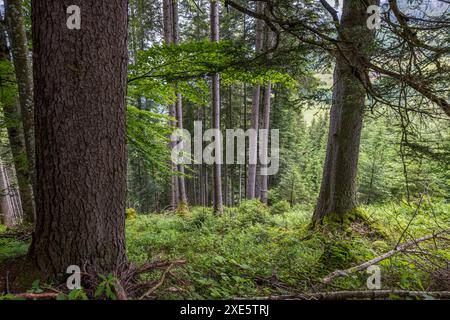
[{"x": 253, "y": 250}]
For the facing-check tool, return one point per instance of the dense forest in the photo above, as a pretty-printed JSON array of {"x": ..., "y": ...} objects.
[{"x": 209, "y": 149}]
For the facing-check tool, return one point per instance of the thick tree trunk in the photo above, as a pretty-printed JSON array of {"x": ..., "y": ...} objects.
[
  {"x": 24, "y": 77},
  {"x": 252, "y": 166},
  {"x": 217, "y": 174},
  {"x": 80, "y": 87},
  {"x": 338, "y": 190},
  {"x": 11, "y": 113}
]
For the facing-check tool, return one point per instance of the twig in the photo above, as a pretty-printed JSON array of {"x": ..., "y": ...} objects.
[
  {"x": 159, "y": 265},
  {"x": 341, "y": 273},
  {"x": 411, "y": 220},
  {"x": 159, "y": 284}
]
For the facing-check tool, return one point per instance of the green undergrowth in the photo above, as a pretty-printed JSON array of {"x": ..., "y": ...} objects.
[
  {"x": 254, "y": 250},
  {"x": 10, "y": 247}
]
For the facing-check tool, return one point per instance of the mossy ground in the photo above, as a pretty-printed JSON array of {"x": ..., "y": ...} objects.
[{"x": 254, "y": 250}]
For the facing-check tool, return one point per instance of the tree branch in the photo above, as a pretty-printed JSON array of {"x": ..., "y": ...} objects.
[{"x": 398, "y": 248}]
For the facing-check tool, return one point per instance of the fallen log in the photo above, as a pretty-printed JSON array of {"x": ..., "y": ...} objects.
[
  {"x": 365, "y": 265},
  {"x": 37, "y": 296}
]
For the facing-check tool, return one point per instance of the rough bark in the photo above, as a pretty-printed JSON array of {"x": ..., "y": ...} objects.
[
  {"x": 217, "y": 174},
  {"x": 24, "y": 77},
  {"x": 80, "y": 81},
  {"x": 251, "y": 177},
  {"x": 338, "y": 189}
]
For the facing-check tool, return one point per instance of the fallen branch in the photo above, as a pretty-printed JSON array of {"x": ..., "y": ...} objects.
[
  {"x": 119, "y": 291},
  {"x": 343, "y": 295},
  {"x": 159, "y": 284},
  {"x": 365, "y": 265},
  {"x": 37, "y": 296}
]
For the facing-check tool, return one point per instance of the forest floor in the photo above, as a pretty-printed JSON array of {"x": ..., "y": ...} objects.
[{"x": 253, "y": 251}]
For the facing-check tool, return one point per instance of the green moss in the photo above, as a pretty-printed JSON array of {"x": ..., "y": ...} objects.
[
  {"x": 337, "y": 255},
  {"x": 226, "y": 254},
  {"x": 183, "y": 209},
  {"x": 380, "y": 246},
  {"x": 11, "y": 248},
  {"x": 130, "y": 214}
]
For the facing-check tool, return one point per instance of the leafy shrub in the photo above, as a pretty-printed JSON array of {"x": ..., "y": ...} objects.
[
  {"x": 76, "y": 294},
  {"x": 337, "y": 255},
  {"x": 10, "y": 248},
  {"x": 252, "y": 211},
  {"x": 280, "y": 207}
]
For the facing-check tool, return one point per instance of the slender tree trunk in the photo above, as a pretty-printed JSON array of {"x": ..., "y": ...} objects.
[
  {"x": 18, "y": 152},
  {"x": 181, "y": 179},
  {"x": 168, "y": 24},
  {"x": 251, "y": 177},
  {"x": 372, "y": 178},
  {"x": 266, "y": 124},
  {"x": 24, "y": 77},
  {"x": 243, "y": 168},
  {"x": 291, "y": 198},
  {"x": 217, "y": 175},
  {"x": 204, "y": 166},
  {"x": 11, "y": 114},
  {"x": 80, "y": 136},
  {"x": 179, "y": 103},
  {"x": 231, "y": 167},
  {"x": 338, "y": 190},
  {"x": 167, "y": 17},
  {"x": 207, "y": 193},
  {"x": 201, "y": 171},
  {"x": 9, "y": 203}
]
